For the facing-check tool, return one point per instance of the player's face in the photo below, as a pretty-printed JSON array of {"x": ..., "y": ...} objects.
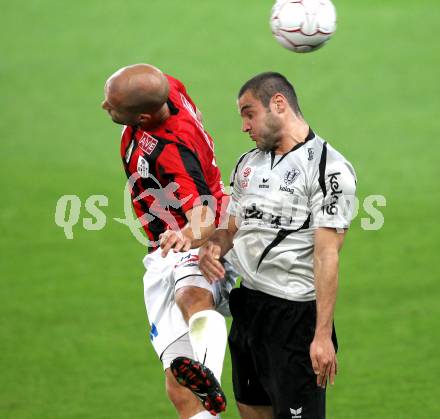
[
  {"x": 262, "y": 125},
  {"x": 117, "y": 113}
]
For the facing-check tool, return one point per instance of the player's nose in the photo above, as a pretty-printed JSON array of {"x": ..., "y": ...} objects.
[
  {"x": 245, "y": 127},
  {"x": 104, "y": 105}
]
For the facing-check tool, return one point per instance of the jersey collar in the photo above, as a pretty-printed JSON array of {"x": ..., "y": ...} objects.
[
  {"x": 309, "y": 137},
  {"x": 173, "y": 109}
]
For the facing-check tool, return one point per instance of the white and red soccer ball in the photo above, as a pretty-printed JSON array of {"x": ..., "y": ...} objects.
[{"x": 303, "y": 25}]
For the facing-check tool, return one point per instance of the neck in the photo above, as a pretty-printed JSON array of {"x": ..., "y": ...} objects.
[
  {"x": 293, "y": 134},
  {"x": 157, "y": 118},
  {"x": 162, "y": 114}
]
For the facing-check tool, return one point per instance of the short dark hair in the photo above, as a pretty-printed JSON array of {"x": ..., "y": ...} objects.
[{"x": 265, "y": 85}]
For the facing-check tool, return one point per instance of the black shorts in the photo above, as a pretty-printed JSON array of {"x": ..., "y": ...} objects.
[{"x": 269, "y": 342}]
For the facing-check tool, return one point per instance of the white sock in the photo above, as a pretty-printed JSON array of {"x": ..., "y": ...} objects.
[
  {"x": 208, "y": 336},
  {"x": 204, "y": 415}
]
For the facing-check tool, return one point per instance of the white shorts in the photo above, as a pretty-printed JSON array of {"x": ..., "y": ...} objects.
[
  {"x": 181, "y": 347},
  {"x": 163, "y": 278}
]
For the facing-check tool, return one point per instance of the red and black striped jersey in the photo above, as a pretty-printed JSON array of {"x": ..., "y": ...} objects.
[{"x": 171, "y": 168}]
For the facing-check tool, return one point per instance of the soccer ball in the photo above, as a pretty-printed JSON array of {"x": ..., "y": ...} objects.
[{"x": 303, "y": 25}]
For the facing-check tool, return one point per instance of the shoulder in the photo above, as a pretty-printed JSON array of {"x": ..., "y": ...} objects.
[
  {"x": 335, "y": 173},
  {"x": 327, "y": 166},
  {"x": 175, "y": 84},
  {"x": 248, "y": 156},
  {"x": 242, "y": 161},
  {"x": 326, "y": 157},
  {"x": 337, "y": 162}
]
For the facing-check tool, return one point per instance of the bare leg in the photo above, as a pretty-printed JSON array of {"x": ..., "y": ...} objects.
[
  {"x": 208, "y": 337},
  {"x": 207, "y": 327},
  {"x": 254, "y": 412},
  {"x": 186, "y": 404},
  {"x": 192, "y": 300}
]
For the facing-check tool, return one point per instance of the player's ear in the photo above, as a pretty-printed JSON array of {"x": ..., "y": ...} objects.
[
  {"x": 279, "y": 103},
  {"x": 144, "y": 118}
]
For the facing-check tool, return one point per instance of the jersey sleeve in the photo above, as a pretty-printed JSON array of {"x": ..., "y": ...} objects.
[
  {"x": 180, "y": 165},
  {"x": 236, "y": 191},
  {"x": 333, "y": 195}
]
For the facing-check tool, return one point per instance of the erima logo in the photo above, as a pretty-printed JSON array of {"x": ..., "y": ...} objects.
[
  {"x": 264, "y": 182},
  {"x": 296, "y": 413}
]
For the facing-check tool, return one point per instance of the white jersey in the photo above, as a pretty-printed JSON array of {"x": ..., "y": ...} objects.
[{"x": 279, "y": 201}]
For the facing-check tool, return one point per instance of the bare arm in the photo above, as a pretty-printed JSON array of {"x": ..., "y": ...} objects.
[
  {"x": 215, "y": 248},
  {"x": 328, "y": 243},
  {"x": 201, "y": 224}
]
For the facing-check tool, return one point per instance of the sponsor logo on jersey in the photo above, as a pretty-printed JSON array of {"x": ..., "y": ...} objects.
[
  {"x": 147, "y": 143},
  {"x": 275, "y": 221},
  {"x": 290, "y": 176},
  {"x": 187, "y": 261},
  {"x": 129, "y": 152},
  {"x": 247, "y": 171},
  {"x": 331, "y": 208},
  {"x": 265, "y": 180},
  {"x": 142, "y": 167},
  {"x": 244, "y": 184},
  {"x": 287, "y": 189}
]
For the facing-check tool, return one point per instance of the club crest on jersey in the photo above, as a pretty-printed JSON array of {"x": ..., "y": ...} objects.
[
  {"x": 142, "y": 167},
  {"x": 247, "y": 171},
  {"x": 290, "y": 176},
  {"x": 147, "y": 143}
]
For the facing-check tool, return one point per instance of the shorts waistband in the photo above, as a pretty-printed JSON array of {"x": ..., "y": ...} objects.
[{"x": 272, "y": 298}]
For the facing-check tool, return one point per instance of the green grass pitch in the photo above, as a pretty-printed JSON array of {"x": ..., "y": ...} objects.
[{"x": 73, "y": 336}]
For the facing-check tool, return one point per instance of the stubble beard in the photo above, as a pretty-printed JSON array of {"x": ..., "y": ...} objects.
[{"x": 270, "y": 137}]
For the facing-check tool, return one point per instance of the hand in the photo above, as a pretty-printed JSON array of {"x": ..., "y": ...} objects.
[
  {"x": 209, "y": 262},
  {"x": 324, "y": 362},
  {"x": 175, "y": 240}
]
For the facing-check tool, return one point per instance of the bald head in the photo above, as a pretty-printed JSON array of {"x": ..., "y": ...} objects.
[{"x": 139, "y": 88}]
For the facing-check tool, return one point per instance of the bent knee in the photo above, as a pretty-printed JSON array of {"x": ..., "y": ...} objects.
[{"x": 193, "y": 299}]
